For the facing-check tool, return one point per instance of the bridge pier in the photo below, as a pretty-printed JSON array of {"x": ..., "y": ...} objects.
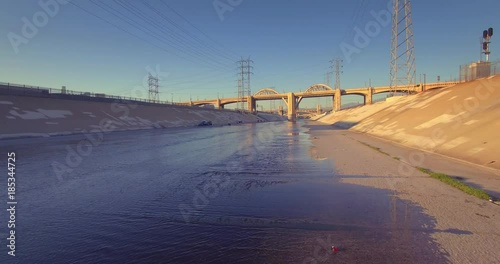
[
  {"x": 291, "y": 105},
  {"x": 218, "y": 105},
  {"x": 369, "y": 97},
  {"x": 337, "y": 103},
  {"x": 420, "y": 88},
  {"x": 252, "y": 104}
]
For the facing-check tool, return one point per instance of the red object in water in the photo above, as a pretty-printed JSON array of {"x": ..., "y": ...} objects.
[{"x": 335, "y": 249}]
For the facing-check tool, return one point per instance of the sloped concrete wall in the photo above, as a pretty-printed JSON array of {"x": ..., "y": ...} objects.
[
  {"x": 462, "y": 121},
  {"x": 25, "y": 116}
]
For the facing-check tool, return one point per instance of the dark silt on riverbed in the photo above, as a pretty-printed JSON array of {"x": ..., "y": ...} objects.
[{"x": 239, "y": 194}]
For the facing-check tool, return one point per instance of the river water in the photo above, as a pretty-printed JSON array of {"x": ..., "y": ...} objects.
[{"x": 238, "y": 194}]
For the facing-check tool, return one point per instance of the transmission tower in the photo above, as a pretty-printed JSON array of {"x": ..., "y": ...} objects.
[
  {"x": 244, "y": 73},
  {"x": 328, "y": 77},
  {"x": 154, "y": 95},
  {"x": 337, "y": 68},
  {"x": 403, "y": 69}
]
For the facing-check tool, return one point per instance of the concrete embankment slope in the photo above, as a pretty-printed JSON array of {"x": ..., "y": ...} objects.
[
  {"x": 25, "y": 116},
  {"x": 462, "y": 121}
]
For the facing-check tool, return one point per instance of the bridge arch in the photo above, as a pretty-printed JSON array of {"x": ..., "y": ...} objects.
[
  {"x": 318, "y": 88},
  {"x": 354, "y": 99},
  {"x": 266, "y": 91},
  {"x": 360, "y": 94}
]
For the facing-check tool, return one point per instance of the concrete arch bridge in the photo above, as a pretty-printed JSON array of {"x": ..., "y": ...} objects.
[{"x": 293, "y": 100}]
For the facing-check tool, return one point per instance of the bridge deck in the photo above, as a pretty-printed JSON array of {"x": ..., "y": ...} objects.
[{"x": 311, "y": 94}]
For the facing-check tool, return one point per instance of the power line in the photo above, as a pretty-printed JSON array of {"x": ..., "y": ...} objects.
[
  {"x": 204, "y": 86},
  {"x": 199, "y": 30},
  {"x": 195, "y": 79},
  {"x": 355, "y": 18},
  {"x": 213, "y": 51},
  {"x": 123, "y": 30},
  {"x": 173, "y": 42},
  {"x": 135, "y": 35},
  {"x": 327, "y": 77},
  {"x": 143, "y": 39}
]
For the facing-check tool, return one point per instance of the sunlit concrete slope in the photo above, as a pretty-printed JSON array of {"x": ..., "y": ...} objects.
[
  {"x": 24, "y": 116},
  {"x": 462, "y": 121}
]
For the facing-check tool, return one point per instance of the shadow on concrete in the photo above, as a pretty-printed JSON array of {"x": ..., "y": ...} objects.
[
  {"x": 465, "y": 179},
  {"x": 344, "y": 125},
  {"x": 336, "y": 126},
  {"x": 454, "y": 231}
]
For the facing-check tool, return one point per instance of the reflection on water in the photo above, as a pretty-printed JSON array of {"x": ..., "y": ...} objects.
[{"x": 251, "y": 194}]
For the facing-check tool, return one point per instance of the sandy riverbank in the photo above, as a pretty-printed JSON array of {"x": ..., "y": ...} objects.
[{"x": 466, "y": 228}]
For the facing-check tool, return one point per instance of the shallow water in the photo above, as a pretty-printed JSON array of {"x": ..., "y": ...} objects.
[{"x": 240, "y": 194}]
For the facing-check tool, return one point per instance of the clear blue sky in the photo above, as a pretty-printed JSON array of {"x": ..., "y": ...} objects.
[{"x": 290, "y": 42}]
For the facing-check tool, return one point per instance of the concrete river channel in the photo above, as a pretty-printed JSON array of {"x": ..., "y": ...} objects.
[{"x": 251, "y": 193}]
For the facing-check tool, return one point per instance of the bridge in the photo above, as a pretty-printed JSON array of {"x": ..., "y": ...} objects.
[{"x": 292, "y": 100}]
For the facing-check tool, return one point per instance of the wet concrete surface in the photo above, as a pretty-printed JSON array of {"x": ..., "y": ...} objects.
[{"x": 240, "y": 194}]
